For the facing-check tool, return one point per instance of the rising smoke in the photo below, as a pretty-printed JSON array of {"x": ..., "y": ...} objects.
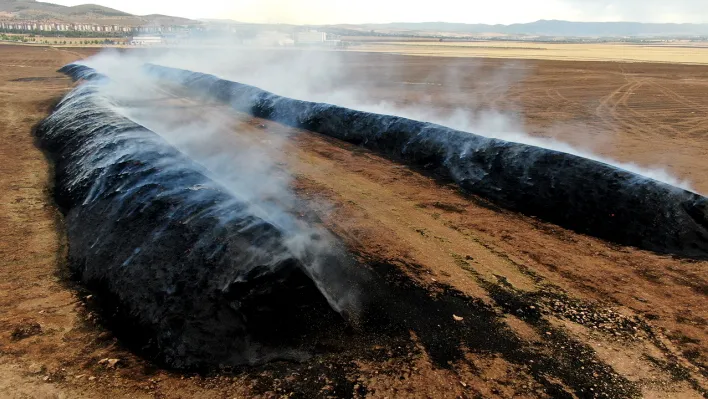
[
  {"x": 579, "y": 193},
  {"x": 337, "y": 78},
  {"x": 192, "y": 226},
  {"x": 205, "y": 265},
  {"x": 249, "y": 167}
]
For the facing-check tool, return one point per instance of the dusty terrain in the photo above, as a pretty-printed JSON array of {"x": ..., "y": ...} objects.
[{"x": 545, "y": 311}]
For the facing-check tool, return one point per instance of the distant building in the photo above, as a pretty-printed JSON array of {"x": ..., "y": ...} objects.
[
  {"x": 146, "y": 40},
  {"x": 268, "y": 39},
  {"x": 310, "y": 37},
  {"x": 314, "y": 37},
  {"x": 48, "y": 25}
]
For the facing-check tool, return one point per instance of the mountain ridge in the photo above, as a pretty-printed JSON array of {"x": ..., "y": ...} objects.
[
  {"x": 38, "y": 10},
  {"x": 553, "y": 27},
  {"x": 94, "y": 13}
]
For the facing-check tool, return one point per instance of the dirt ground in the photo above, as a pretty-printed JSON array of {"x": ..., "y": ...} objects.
[{"x": 545, "y": 312}]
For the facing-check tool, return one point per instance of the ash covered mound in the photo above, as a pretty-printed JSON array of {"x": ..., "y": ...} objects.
[
  {"x": 587, "y": 196},
  {"x": 191, "y": 273}
]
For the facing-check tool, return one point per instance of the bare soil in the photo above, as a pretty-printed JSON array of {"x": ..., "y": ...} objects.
[{"x": 545, "y": 312}]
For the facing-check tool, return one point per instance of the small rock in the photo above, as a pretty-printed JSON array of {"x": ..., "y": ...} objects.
[
  {"x": 46, "y": 378},
  {"x": 92, "y": 378},
  {"x": 35, "y": 368},
  {"x": 104, "y": 336},
  {"x": 463, "y": 384},
  {"x": 457, "y": 318},
  {"x": 26, "y": 330},
  {"x": 111, "y": 363}
]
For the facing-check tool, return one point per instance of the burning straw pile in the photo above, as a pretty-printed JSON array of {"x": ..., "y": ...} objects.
[
  {"x": 191, "y": 274},
  {"x": 588, "y": 196},
  {"x": 196, "y": 276}
]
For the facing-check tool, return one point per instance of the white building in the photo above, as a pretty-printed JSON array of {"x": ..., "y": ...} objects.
[
  {"x": 146, "y": 40},
  {"x": 310, "y": 37}
]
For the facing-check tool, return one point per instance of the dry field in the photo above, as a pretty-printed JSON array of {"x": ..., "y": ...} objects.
[
  {"x": 387, "y": 39},
  {"x": 78, "y": 40},
  {"x": 683, "y": 54},
  {"x": 616, "y": 321}
]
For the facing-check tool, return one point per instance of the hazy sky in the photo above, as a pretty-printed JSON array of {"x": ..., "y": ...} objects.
[{"x": 374, "y": 11}]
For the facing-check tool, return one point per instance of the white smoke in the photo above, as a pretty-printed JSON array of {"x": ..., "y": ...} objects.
[
  {"x": 345, "y": 79},
  {"x": 248, "y": 164}
]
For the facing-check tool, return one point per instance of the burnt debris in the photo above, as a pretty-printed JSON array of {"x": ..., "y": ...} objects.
[{"x": 188, "y": 271}]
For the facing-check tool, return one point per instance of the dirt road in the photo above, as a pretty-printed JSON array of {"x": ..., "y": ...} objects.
[{"x": 545, "y": 311}]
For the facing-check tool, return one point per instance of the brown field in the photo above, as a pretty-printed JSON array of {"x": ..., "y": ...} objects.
[
  {"x": 387, "y": 39},
  {"x": 624, "y": 322},
  {"x": 688, "y": 53}
]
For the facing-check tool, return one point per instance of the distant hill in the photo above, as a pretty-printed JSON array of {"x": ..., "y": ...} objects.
[
  {"x": 93, "y": 13},
  {"x": 552, "y": 28},
  {"x": 89, "y": 13}
]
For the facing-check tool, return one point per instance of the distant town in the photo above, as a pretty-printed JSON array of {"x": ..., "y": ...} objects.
[
  {"x": 156, "y": 33},
  {"x": 13, "y": 26},
  {"x": 43, "y": 32}
]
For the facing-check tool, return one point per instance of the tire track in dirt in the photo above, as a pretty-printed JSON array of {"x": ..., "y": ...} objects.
[
  {"x": 690, "y": 125},
  {"x": 612, "y": 107}
]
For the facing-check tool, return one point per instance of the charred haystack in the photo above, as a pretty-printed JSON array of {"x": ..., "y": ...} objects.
[
  {"x": 588, "y": 196},
  {"x": 78, "y": 72},
  {"x": 191, "y": 273}
]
